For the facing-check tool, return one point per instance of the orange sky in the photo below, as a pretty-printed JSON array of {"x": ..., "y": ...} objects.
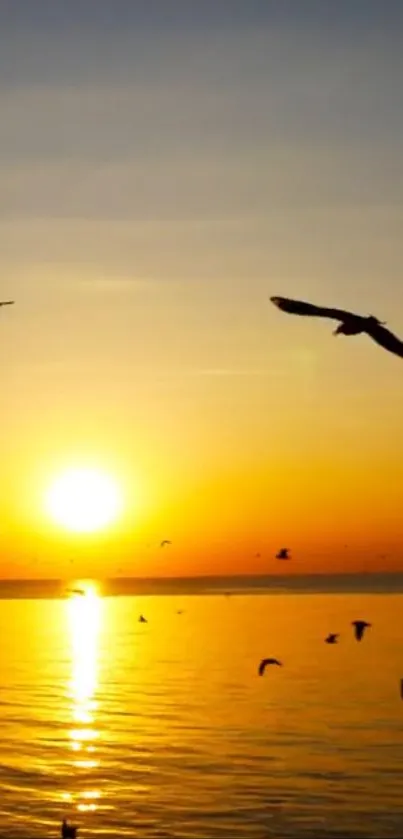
[{"x": 160, "y": 182}]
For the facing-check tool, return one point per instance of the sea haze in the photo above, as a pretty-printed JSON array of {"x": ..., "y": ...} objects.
[{"x": 389, "y": 583}]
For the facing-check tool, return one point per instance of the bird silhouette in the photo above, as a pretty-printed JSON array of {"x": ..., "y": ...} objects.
[
  {"x": 332, "y": 638},
  {"x": 165, "y": 542},
  {"x": 7, "y": 302},
  {"x": 142, "y": 619},
  {"x": 359, "y": 628},
  {"x": 265, "y": 662},
  {"x": 78, "y": 591},
  {"x": 68, "y": 831},
  {"x": 350, "y": 324},
  {"x": 283, "y": 553}
]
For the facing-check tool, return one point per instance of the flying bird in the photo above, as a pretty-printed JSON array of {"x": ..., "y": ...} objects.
[
  {"x": 283, "y": 553},
  {"x": 7, "y": 302},
  {"x": 265, "y": 662},
  {"x": 68, "y": 831},
  {"x": 359, "y": 628},
  {"x": 142, "y": 619},
  {"x": 165, "y": 542},
  {"x": 332, "y": 638},
  {"x": 350, "y": 324}
]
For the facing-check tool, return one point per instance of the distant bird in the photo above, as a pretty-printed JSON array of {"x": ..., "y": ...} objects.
[
  {"x": 332, "y": 638},
  {"x": 7, "y": 302},
  {"x": 284, "y": 553},
  {"x": 257, "y": 556},
  {"x": 165, "y": 542},
  {"x": 79, "y": 591},
  {"x": 180, "y": 612},
  {"x": 68, "y": 831},
  {"x": 401, "y": 688},
  {"x": 265, "y": 662},
  {"x": 350, "y": 324},
  {"x": 359, "y": 628},
  {"x": 142, "y": 619}
]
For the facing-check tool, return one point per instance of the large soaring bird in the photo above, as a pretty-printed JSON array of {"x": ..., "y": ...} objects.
[{"x": 350, "y": 324}]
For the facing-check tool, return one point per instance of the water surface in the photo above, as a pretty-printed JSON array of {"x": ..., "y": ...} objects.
[{"x": 164, "y": 729}]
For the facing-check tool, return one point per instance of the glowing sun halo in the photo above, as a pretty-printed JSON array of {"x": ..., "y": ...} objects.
[{"x": 83, "y": 500}]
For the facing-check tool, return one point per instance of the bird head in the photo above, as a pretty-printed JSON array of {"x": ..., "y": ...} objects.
[{"x": 373, "y": 321}]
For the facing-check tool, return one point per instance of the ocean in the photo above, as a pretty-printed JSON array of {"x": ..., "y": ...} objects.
[{"x": 165, "y": 729}]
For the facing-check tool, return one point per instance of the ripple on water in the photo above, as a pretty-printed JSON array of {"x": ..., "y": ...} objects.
[{"x": 133, "y": 739}]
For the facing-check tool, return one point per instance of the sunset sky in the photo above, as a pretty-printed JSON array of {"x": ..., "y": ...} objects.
[{"x": 165, "y": 167}]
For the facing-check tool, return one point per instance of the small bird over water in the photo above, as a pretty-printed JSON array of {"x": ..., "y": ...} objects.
[
  {"x": 68, "y": 831},
  {"x": 359, "y": 628},
  {"x": 332, "y": 638},
  {"x": 265, "y": 662},
  {"x": 350, "y": 324},
  {"x": 283, "y": 553}
]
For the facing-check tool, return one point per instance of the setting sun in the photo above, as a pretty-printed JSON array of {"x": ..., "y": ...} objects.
[{"x": 83, "y": 500}]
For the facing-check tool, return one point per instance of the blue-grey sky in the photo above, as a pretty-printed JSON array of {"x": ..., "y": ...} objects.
[{"x": 165, "y": 167}]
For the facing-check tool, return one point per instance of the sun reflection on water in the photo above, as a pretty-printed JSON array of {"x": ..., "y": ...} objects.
[{"x": 84, "y": 616}]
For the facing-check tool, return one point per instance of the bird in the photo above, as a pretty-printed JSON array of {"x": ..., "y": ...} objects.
[
  {"x": 359, "y": 628},
  {"x": 68, "y": 831},
  {"x": 401, "y": 688},
  {"x": 332, "y": 638},
  {"x": 7, "y": 302},
  {"x": 78, "y": 591},
  {"x": 350, "y": 324},
  {"x": 265, "y": 662},
  {"x": 165, "y": 542},
  {"x": 142, "y": 619},
  {"x": 283, "y": 553}
]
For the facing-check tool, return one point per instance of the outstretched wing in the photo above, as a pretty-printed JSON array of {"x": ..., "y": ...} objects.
[
  {"x": 385, "y": 339},
  {"x": 6, "y": 302},
  {"x": 298, "y": 307}
]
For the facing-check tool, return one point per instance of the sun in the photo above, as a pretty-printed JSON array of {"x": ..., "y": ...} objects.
[{"x": 84, "y": 500}]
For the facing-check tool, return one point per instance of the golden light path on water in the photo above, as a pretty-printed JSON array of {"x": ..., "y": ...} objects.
[{"x": 84, "y": 621}]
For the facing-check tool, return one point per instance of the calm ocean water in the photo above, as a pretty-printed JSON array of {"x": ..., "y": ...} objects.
[{"x": 164, "y": 729}]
